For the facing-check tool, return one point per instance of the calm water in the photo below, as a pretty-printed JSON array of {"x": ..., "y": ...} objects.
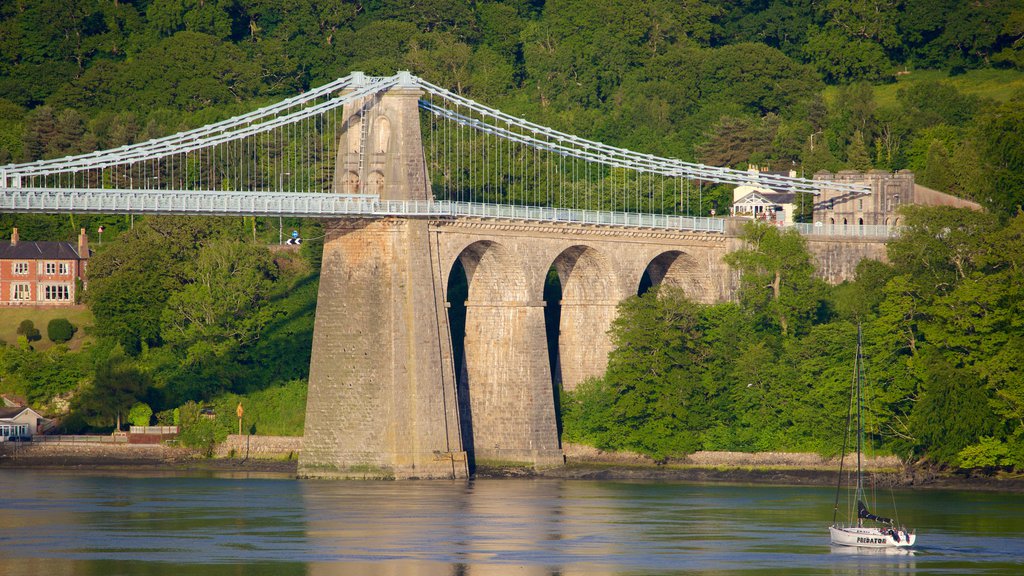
[{"x": 56, "y": 523}]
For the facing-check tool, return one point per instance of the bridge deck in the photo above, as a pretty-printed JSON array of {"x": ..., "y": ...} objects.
[{"x": 317, "y": 205}]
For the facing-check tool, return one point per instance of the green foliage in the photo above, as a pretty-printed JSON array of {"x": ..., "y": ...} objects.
[
  {"x": 988, "y": 453},
  {"x": 777, "y": 278},
  {"x": 202, "y": 317},
  {"x": 140, "y": 414},
  {"x": 60, "y": 330},
  {"x": 218, "y": 309},
  {"x": 28, "y": 329},
  {"x": 41, "y": 376},
  {"x": 200, "y": 431},
  {"x": 119, "y": 382},
  {"x": 942, "y": 343},
  {"x": 131, "y": 282},
  {"x": 273, "y": 411}
]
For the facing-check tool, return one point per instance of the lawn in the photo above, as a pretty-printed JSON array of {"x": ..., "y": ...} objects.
[
  {"x": 999, "y": 85},
  {"x": 10, "y": 317}
]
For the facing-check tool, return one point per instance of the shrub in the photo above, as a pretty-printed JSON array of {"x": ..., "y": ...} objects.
[
  {"x": 28, "y": 329},
  {"x": 140, "y": 414},
  {"x": 198, "y": 431},
  {"x": 60, "y": 330}
]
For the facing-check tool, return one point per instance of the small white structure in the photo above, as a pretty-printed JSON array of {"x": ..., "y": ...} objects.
[
  {"x": 18, "y": 422},
  {"x": 761, "y": 203}
]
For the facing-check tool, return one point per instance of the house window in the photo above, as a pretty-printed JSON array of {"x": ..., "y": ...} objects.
[
  {"x": 57, "y": 292},
  {"x": 63, "y": 268},
  {"x": 21, "y": 268},
  {"x": 51, "y": 267},
  {"x": 8, "y": 430},
  {"x": 21, "y": 291},
  {"x": 860, "y": 204}
]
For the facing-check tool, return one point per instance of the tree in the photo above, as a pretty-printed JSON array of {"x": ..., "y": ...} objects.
[
  {"x": 60, "y": 330},
  {"x": 218, "y": 310},
  {"x": 857, "y": 153},
  {"x": 140, "y": 414},
  {"x": 655, "y": 402},
  {"x": 1001, "y": 131},
  {"x": 777, "y": 280},
  {"x": 118, "y": 384},
  {"x": 131, "y": 281},
  {"x": 840, "y": 59}
]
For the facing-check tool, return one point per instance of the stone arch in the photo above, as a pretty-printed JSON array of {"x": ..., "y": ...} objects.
[
  {"x": 350, "y": 183},
  {"x": 375, "y": 183},
  {"x": 860, "y": 221},
  {"x": 506, "y": 404},
  {"x": 494, "y": 272},
  {"x": 832, "y": 221},
  {"x": 381, "y": 135},
  {"x": 679, "y": 269},
  {"x": 354, "y": 132},
  {"x": 845, "y": 222},
  {"x": 587, "y": 308}
]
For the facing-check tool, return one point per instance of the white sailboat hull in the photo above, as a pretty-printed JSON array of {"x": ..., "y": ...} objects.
[{"x": 870, "y": 537}]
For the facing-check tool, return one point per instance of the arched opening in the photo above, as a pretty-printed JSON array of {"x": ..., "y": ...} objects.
[
  {"x": 844, "y": 222},
  {"x": 584, "y": 283},
  {"x": 456, "y": 294},
  {"x": 552, "y": 327},
  {"x": 832, "y": 221},
  {"x": 677, "y": 268},
  {"x": 350, "y": 183},
  {"x": 506, "y": 402},
  {"x": 375, "y": 183},
  {"x": 860, "y": 221},
  {"x": 382, "y": 135}
]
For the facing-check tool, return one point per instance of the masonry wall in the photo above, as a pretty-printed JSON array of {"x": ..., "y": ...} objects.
[
  {"x": 241, "y": 445},
  {"x": 836, "y": 258}
]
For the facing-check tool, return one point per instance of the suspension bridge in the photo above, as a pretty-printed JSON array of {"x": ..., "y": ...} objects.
[
  {"x": 282, "y": 160},
  {"x": 426, "y": 194}
]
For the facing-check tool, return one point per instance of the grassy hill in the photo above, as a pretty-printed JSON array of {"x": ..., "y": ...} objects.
[
  {"x": 80, "y": 316},
  {"x": 998, "y": 85}
]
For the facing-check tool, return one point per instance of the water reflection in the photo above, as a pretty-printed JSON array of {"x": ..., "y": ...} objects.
[{"x": 73, "y": 524}]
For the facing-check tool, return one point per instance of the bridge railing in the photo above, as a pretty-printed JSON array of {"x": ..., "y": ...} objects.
[
  {"x": 318, "y": 205},
  {"x": 866, "y": 231}
]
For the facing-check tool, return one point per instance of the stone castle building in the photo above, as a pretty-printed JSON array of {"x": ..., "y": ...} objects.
[{"x": 889, "y": 191}]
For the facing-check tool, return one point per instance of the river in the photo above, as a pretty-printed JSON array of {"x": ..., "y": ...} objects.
[{"x": 79, "y": 523}]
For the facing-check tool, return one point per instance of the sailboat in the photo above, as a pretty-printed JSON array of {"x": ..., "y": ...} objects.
[{"x": 879, "y": 531}]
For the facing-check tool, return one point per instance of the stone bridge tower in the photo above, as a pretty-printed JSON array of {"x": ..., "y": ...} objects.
[{"x": 381, "y": 400}]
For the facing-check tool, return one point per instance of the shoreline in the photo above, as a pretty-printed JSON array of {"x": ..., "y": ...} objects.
[
  {"x": 912, "y": 479},
  {"x": 581, "y": 463}
]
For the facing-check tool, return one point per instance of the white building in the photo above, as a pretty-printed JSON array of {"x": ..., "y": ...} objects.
[
  {"x": 764, "y": 203},
  {"x": 18, "y": 422}
]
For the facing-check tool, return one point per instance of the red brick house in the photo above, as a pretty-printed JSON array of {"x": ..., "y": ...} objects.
[{"x": 41, "y": 273}]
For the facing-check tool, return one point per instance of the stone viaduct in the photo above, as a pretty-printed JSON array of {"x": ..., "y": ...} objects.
[{"x": 386, "y": 399}]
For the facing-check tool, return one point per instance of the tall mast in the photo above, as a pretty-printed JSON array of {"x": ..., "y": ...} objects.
[{"x": 858, "y": 370}]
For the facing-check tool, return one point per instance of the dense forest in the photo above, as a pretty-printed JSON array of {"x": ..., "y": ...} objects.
[{"x": 191, "y": 311}]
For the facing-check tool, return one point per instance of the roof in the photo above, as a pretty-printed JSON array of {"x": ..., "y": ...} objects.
[
  {"x": 763, "y": 198},
  {"x": 39, "y": 251},
  {"x": 14, "y": 411}
]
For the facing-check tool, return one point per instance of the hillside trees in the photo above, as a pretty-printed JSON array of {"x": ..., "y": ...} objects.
[{"x": 131, "y": 281}]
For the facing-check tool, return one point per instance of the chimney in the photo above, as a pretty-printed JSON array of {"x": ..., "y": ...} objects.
[
  {"x": 83, "y": 245},
  {"x": 14, "y": 237}
]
